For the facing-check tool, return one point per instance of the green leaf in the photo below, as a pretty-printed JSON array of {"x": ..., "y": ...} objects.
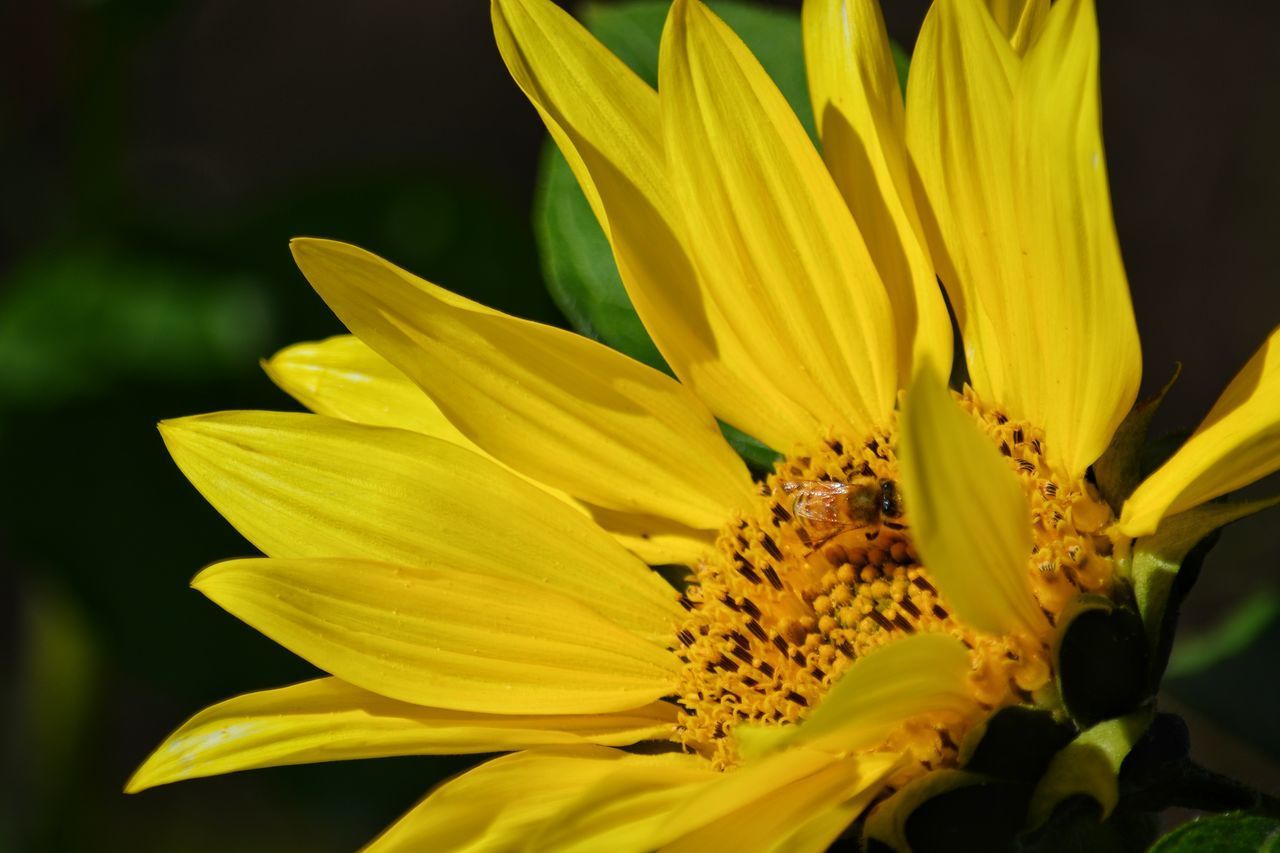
[
  {"x": 1119, "y": 470},
  {"x": 578, "y": 264},
  {"x": 633, "y": 31},
  {"x": 577, "y": 261},
  {"x": 775, "y": 37},
  {"x": 1232, "y": 635},
  {"x": 1165, "y": 564},
  {"x": 1232, "y": 833},
  {"x": 901, "y": 64},
  {"x": 759, "y": 457},
  {"x": 1089, "y": 766}
]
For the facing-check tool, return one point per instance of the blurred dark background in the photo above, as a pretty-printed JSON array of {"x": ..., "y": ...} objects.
[{"x": 155, "y": 157}]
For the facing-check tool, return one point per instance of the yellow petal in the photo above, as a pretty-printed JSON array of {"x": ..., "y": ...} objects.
[
  {"x": 1020, "y": 20},
  {"x": 600, "y": 113},
  {"x": 858, "y": 104},
  {"x": 444, "y": 638},
  {"x": 1087, "y": 338},
  {"x": 500, "y": 804},
  {"x": 558, "y": 407},
  {"x": 591, "y": 798},
  {"x": 330, "y": 720},
  {"x": 820, "y": 832},
  {"x": 606, "y": 121},
  {"x": 921, "y": 674},
  {"x": 1237, "y": 444},
  {"x": 804, "y": 815},
  {"x": 308, "y": 486},
  {"x": 1009, "y": 155},
  {"x": 657, "y": 541},
  {"x": 342, "y": 378},
  {"x": 757, "y": 806},
  {"x": 622, "y": 813},
  {"x": 959, "y": 134},
  {"x": 969, "y": 515},
  {"x": 776, "y": 246}
]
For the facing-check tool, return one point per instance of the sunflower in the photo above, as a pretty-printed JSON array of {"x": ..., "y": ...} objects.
[{"x": 462, "y": 533}]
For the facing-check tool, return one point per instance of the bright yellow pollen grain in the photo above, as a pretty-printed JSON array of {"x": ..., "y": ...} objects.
[{"x": 782, "y": 607}]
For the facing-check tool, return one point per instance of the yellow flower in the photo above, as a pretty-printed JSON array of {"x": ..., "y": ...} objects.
[{"x": 460, "y": 533}]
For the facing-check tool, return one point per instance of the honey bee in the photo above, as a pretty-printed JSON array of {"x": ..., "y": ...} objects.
[{"x": 830, "y": 508}]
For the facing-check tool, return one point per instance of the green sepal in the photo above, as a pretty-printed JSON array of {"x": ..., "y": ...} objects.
[
  {"x": 983, "y": 806},
  {"x": 1159, "y": 774},
  {"x": 1160, "y": 449},
  {"x": 1014, "y": 744},
  {"x": 1187, "y": 785},
  {"x": 1075, "y": 828},
  {"x": 1099, "y": 792},
  {"x": 1089, "y": 766},
  {"x": 1102, "y": 660},
  {"x": 1119, "y": 470},
  {"x": 1165, "y": 565},
  {"x": 949, "y": 810},
  {"x": 1223, "y": 834}
]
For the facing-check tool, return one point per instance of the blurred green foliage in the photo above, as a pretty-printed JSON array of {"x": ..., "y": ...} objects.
[
  {"x": 1241, "y": 628},
  {"x": 115, "y": 314},
  {"x": 74, "y": 320}
]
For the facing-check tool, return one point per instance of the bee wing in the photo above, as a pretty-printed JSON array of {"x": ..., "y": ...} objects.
[
  {"x": 791, "y": 487},
  {"x": 825, "y": 503}
]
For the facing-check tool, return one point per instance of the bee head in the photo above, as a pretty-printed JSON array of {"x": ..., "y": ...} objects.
[{"x": 890, "y": 500}]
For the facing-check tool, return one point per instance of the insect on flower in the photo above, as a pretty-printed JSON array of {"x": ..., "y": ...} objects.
[{"x": 829, "y": 508}]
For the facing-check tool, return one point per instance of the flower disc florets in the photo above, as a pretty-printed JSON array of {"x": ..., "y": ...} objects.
[{"x": 790, "y": 598}]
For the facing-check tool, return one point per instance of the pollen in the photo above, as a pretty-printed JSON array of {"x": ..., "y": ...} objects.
[{"x": 821, "y": 570}]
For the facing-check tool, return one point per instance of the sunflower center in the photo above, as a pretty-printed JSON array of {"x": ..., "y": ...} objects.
[{"x": 821, "y": 570}]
